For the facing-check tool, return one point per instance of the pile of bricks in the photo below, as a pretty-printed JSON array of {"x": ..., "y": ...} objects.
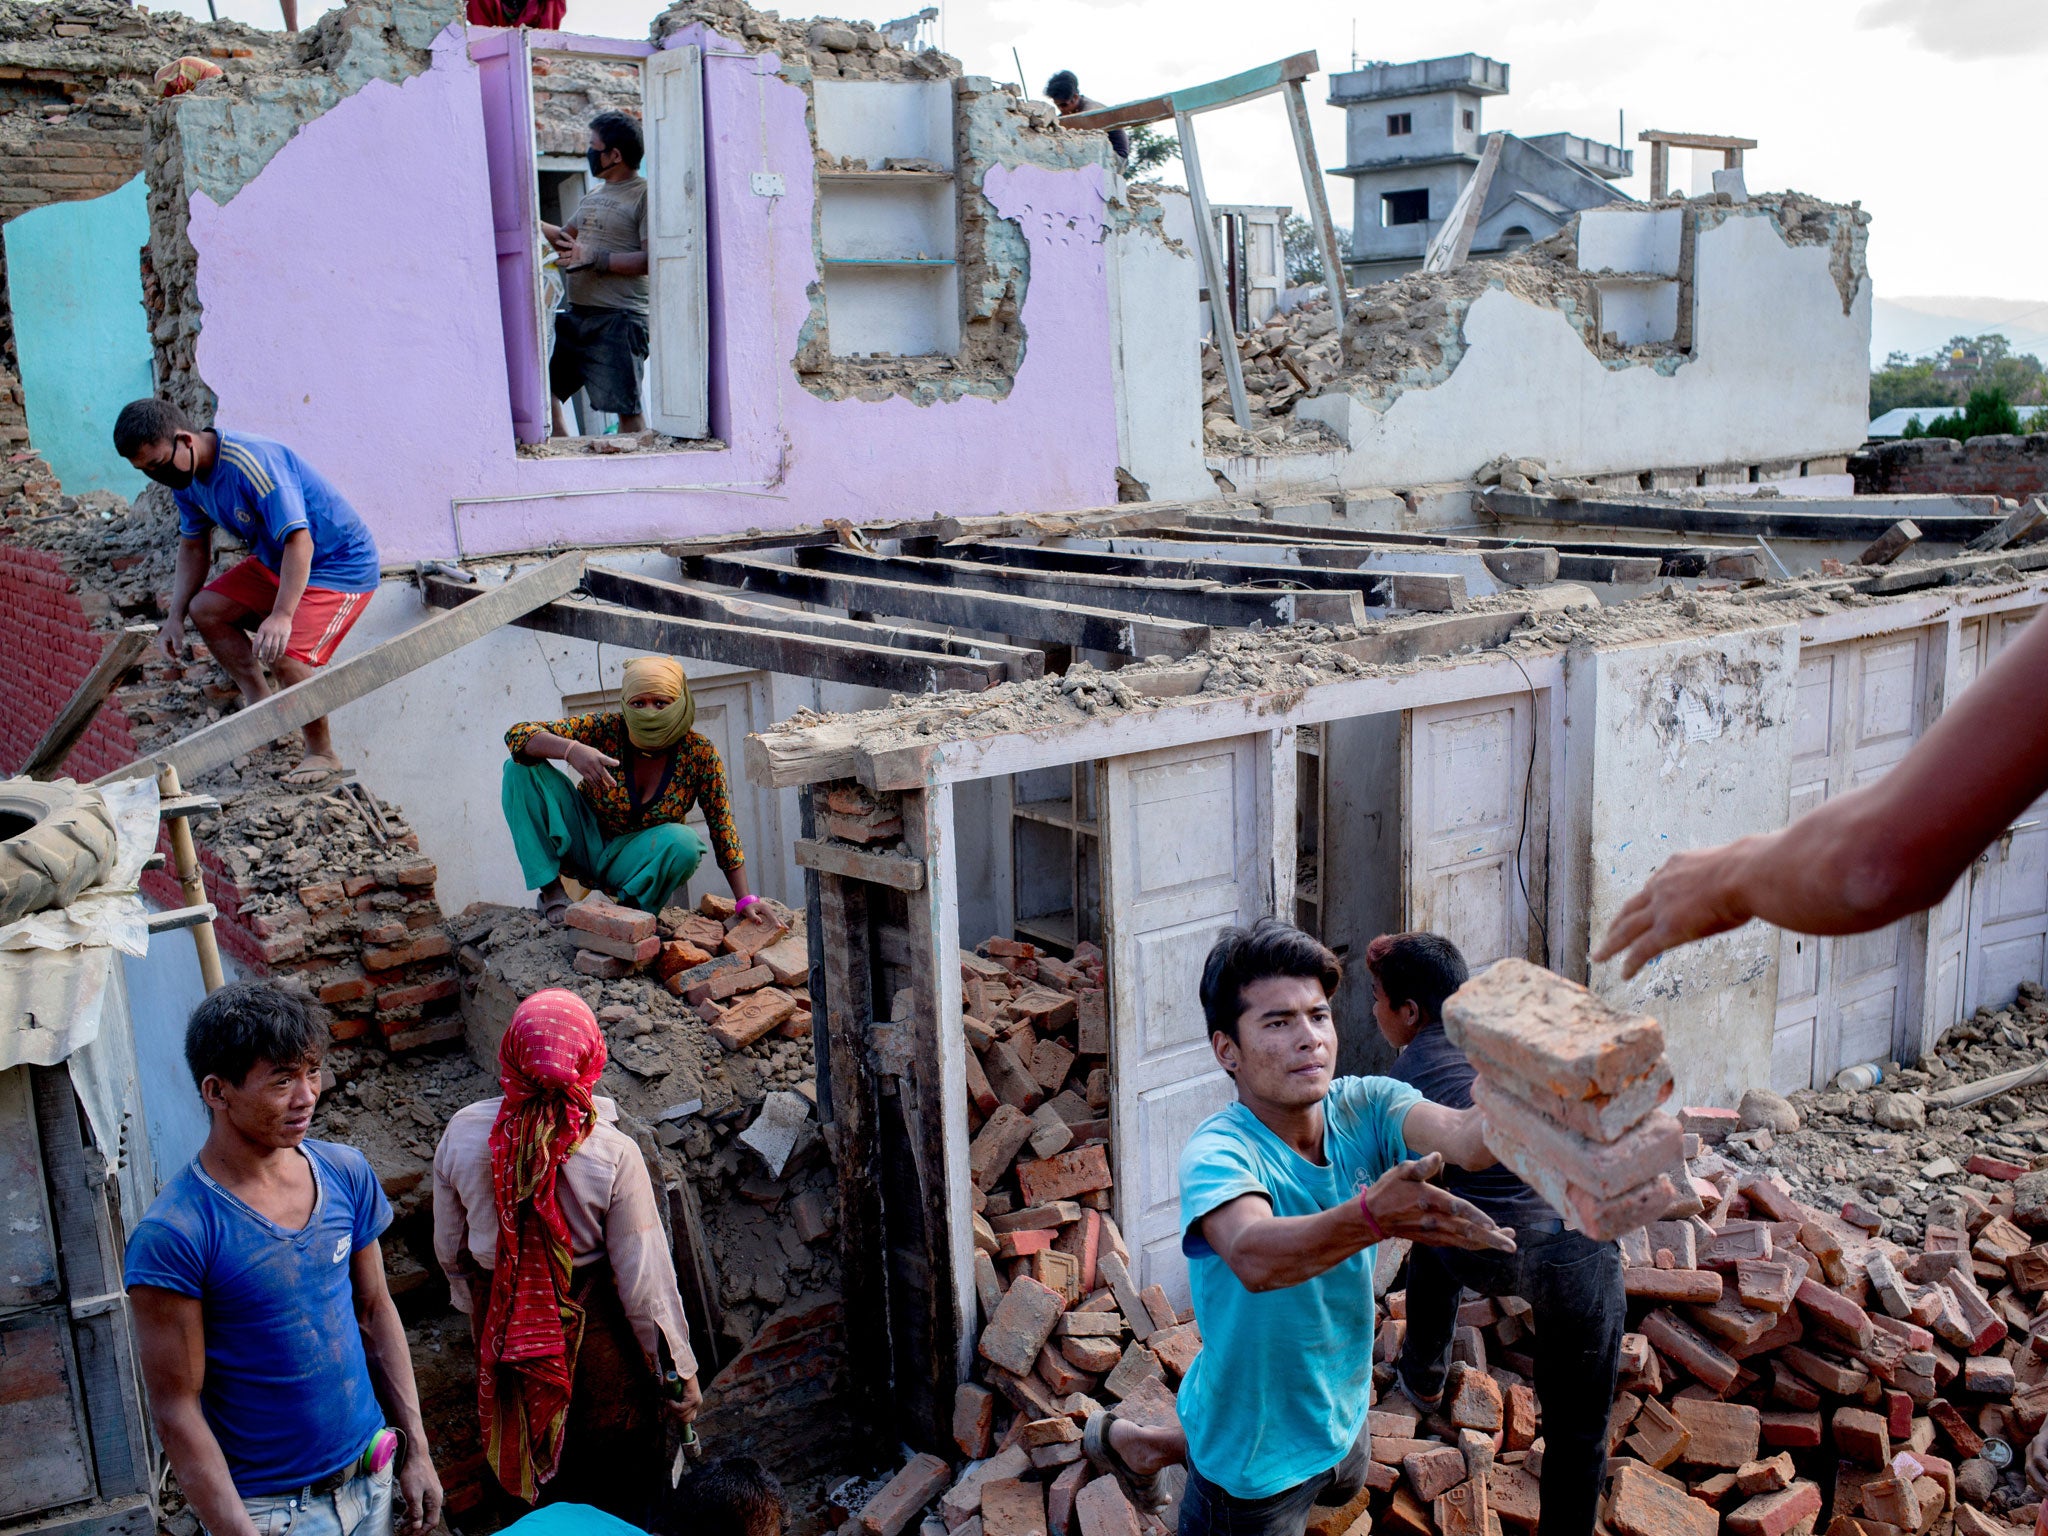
[
  {"x": 744, "y": 974},
  {"x": 1784, "y": 1372},
  {"x": 1571, "y": 1090},
  {"x": 1066, "y": 1331}
]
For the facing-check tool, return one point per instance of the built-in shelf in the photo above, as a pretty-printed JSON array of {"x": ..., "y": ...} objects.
[
  {"x": 885, "y": 176},
  {"x": 1056, "y": 928},
  {"x": 894, "y": 261},
  {"x": 1054, "y": 813}
]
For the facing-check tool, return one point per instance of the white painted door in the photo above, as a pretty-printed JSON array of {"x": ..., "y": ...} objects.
[
  {"x": 2008, "y": 927},
  {"x": 679, "y": 310},
  {"x": 727, "y": 711},
  {"x": 1846, "y": 1000},
  {"x": 1472, "y": 824},
  {"x": 1190, "y": 853},
  {"x": 1948, "y": 925}
]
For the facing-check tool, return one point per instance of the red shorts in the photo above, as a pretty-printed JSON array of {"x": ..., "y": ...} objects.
[{"x": 318, "y": 623}]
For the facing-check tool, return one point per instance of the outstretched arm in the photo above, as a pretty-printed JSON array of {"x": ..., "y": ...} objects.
[
  {"x": 1459, "y": 1134},
  {"x": 1878, "y": 853}
]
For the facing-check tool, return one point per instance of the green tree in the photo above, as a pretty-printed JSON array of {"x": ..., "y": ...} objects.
[
  {"x": 1304, "y": 256},
  {"x": 1150, "y": 150},
  {"x": 1988, "y": 412},
  {"x": 1905, "y": 380}
]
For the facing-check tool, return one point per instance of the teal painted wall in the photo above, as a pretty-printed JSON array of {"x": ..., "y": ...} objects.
[{"x": 74, "y": 283}]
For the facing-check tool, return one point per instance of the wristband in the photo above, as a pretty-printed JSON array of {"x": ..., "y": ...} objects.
[{"x": 1378, "y": 1235}]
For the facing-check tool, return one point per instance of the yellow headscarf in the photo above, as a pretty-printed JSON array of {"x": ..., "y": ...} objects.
[{"x": 656, "y": 730}]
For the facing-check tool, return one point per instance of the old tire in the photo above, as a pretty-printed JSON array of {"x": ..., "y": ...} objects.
[{"x": 55, "y": 840}]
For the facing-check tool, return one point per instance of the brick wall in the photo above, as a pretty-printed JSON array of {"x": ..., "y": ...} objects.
[
  {"x": 2011, "y": 466},
  {"x": 784, "y": 1398},
  {"x": 44, "y": 616}
]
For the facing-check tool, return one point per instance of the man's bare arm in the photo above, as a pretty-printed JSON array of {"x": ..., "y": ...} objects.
[
  {"x": 170, "y": 1338},
  {"x": 1268, "y": 1252},
  {"x": 1459, "y": 1134},
  {"x": 195, "y": 554},
  {"x": 390, "y": 1362},
  {"x": 1878, "y": 853}
]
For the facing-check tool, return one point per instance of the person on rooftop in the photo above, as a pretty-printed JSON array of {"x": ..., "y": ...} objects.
[
  {"x": 1064, "y": 92},
  {"x": 621, "y": 833},
  {"x": 311, "y": 570},
  {"x": 545, "y": 1224}
]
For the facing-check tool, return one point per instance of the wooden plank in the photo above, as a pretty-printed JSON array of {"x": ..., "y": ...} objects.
[
  {"x": 1319, "y": 219},
  {"x": 2011, "y": 530},
  {"x": 92, "y": 1252},
  {"x": 1223, "y": 329},
  {"x": 1227, "y": 92},
  {"x": 1453, "y": 241},
  {"x": 806, "y": 537},
  {"x": 1672, "y": 559},
  {"x": 1195, "y": 602},
  {"x": 1940, "y": 573},
  {"x": 851, "y": 863},
  {"x": 181, "y": 917},
  {"x": 716, "y": 606},
  {"x": 1380, "y": 589},
  {"x": 744, "y": 645},
  {"x": 1894, "y": 542},
  {"x": 346, "y": 681},
  {"x": 1513, "y": 564},
  {"x": 1777, "y": 518},
  {"x": 1675, "y": 140},
  {"x": 1097, "y": 629},
  {"x": 76, "y": 717}
]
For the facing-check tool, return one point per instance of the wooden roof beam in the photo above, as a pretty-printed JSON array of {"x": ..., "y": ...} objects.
[{"x": 1250, "y": 85}]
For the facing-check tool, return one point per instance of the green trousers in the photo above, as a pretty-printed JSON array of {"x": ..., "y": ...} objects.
[{"x": 554, "y": 831}]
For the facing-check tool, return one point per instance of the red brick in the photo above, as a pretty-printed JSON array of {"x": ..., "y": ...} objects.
[
  {"x": 1773, "y": 1514},
  {"x": 1021, "y": 1325},
  {"x": 395, "y": 998},
  {"x": 1950, "y": 1421},
  {"x": 357, "y": 885},
  {"x": 635, "y": 952},
  {"x": 1685, "y": 1347},
  {"x": 1647, "y": 1503},
  {"x": 1068, "y": 1174},
  {"x": 1996, "y": 1168},
  {"x": 589, "y": 962},
  {"x": 1835, "y": 1313},
  {"x": 897, "y": 1504},
  {"x": 755, "y": 931},
  {"x": 1790, "y": 1428},
  {"x": 326, "y": 893},
  {"x": 1013, "y": 1507},
  {"x": 1059, "y": 1498},
  {"x": 600, "y": 915},
  {"x": 347, "y": 987},
  {"x": 752, "y": 1017},
  {"x": 729, "y": 982},
  {"x": 1100, "y": 1509},
  {"x": 1723, "y": 1434},
  {"x": 1862, "y": 1436}
]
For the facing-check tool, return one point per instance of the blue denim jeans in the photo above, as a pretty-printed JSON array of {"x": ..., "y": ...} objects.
[
  {"x": 359, "y": 1507},
  {"x": 1206, "y": 1510}
]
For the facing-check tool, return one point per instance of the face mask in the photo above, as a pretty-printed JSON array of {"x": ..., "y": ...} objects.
[
  {"x": 168, "y": 474},
  {"x": 596, "y": 159}
]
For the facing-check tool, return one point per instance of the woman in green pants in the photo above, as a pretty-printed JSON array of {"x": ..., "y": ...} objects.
[{"x": 622, "y": 832}]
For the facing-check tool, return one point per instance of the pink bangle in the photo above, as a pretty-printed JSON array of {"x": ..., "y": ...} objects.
[
  {"x": 743, "y": 903},
  {"x": 1378, "y": 1235}
]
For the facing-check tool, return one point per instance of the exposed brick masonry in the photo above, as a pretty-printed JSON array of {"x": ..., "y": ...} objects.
[{"x": 2011, "y": 466}]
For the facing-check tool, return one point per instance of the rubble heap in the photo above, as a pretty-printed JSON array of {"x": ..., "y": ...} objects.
[{"x": 1066, "y": 1331}]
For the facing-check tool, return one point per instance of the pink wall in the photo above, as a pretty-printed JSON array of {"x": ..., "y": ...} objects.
[{"x": 351, "y": 311}]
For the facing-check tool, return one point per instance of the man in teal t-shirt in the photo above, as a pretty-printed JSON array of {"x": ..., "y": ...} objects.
[{"x": 1283, "y": 1195}]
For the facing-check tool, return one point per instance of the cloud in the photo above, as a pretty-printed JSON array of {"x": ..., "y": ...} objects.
[{"x": 1965, "y": 30}]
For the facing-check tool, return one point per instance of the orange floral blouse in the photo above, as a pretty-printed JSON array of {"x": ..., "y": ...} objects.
[{"x": 694, "y": 778}]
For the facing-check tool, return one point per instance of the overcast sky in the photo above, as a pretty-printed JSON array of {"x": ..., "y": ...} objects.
[{"x": 1924, "y": 110}]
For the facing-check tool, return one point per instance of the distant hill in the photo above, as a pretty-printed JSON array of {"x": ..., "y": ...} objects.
[{"x": 1918, "y": 325}]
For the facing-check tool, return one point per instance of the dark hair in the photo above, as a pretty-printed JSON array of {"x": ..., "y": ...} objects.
[
  {"x": 733, "y": 1496},
  {"x": 1244, "y": 955},
  {"x": 143, "y": 422},
  {"x": 248, "y": 1022},
  {"x": 1418, "y": 968},
  {"x": 1063, "y": 86},
  {"x": 615, "y": 130}
]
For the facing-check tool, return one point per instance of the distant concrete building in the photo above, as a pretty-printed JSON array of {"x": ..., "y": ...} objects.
[{"x": 1414, "y": 133}]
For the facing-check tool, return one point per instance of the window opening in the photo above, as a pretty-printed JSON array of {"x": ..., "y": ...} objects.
[
  {"x": 1471, "y": 119},
  {"x": 1404, "y": 208},
  {"x": 1399, "y": 123}
]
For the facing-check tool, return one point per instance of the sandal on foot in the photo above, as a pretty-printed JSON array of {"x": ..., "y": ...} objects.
[
  {"x": 555, "y": 909},
  {"x": 1143, "y": 1487}
]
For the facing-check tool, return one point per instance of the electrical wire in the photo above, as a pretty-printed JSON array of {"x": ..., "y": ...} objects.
[{"x": 1536, "y": 922}]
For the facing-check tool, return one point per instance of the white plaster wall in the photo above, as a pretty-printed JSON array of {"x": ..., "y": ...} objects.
[
  {"x": 1686, "y": 744},
  {"x": 1779, "y": 371},
  {"x": 1643, "y": 241},
  {"x": 1156, "y": 325},
  {"x": 876, "y": 120},
  {"x": 433, "y": 742}
]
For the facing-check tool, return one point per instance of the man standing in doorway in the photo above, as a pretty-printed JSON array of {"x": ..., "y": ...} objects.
[
  {"x": 1063, "y": 90},
  {"x": 311, "y": 570},
  {"x": 1572, "y": 1283},
  {"x": 601, "y": 336},
  {"x": 269, "y": 1342},
  {"x": 1283, "y": 1196}
]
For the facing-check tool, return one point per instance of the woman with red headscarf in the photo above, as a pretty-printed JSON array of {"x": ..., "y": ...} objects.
[{"x": 545, "y": 1222}]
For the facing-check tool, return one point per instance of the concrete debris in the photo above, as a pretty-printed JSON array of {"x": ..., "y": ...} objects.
[
  {"x": 832, "y": 49},
  {"x": 784, "y": 1120}
]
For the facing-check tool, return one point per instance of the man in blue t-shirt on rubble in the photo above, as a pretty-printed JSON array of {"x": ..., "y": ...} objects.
[
  {"x": 1283, "y": 1195},
  {"x": 275, "y": 1360}
]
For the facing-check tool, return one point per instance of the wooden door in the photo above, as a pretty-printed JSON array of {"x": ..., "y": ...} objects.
[
  {"x": 2008, "y": 924},
  {"x": 1859, "y": 709},
  {"x": 1472, "y": 825},
  {"x": 505, "y": 80},
  {"x": 1189, "y": 854},
  {"x": 679, "y": 310}
]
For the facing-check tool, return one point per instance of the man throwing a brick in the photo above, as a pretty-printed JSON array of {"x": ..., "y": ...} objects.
[
  {"x": 311, "y": 570},
  {"x": 1572, "y": 1283},
  {"x": 1283, "y": 1196}
]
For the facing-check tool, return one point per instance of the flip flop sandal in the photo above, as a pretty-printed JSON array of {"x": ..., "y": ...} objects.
[
  {"x": 556, "y": 912},
  {"x": 1143, "y": 1487}
]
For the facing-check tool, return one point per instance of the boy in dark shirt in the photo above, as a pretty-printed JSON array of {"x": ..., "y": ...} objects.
[{"x": 1572, "y": 1283}]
